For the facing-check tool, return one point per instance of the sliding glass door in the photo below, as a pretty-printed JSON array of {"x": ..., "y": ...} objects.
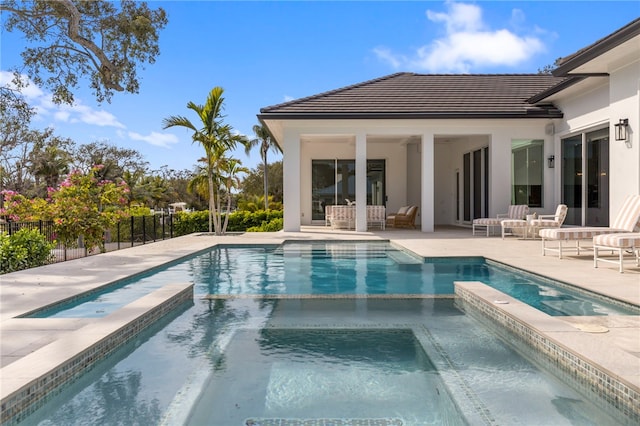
[
  {"x": 475, "y": 190},
  {"x": 585, "y": 178},
  {"x": 334, "y": 181}
]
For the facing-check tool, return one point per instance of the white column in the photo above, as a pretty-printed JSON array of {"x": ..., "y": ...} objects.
[
  {"x": 291, "y": 181},
  {"x": 361, "y": 182},
  {"x": 427, "y": 181}
]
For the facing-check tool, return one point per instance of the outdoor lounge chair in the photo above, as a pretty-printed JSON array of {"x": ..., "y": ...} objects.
[
  {"x": 529, "y": 228},
  {"x": 545, "y": 221},
  {"x": 627, "y": 220},
  {"x": 517, "y": 211},
  {"x": 621, "y": 243},
  {"x": 405, "y": 218}
]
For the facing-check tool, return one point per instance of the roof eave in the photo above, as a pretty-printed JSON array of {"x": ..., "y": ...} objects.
[
  {"x": 600, "y": 47},
  {"x": 408, "y": 116},
  {"x": 556, "y": 89}
]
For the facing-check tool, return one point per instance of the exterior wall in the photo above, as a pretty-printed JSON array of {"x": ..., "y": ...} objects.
[
  {"x": 600, "y": 106},
  {"x": 625, "y": 156},
  {"x": 399, "y": 143}
]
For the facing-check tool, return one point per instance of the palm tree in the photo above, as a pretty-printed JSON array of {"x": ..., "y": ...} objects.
[
  {"x": 198, "y": 184},
  {"x": 215, "y": 137},
  {"x": 49, "y": 163},
  {"x": 266, "y": 143},
  {"x": 230, "y": 168}
]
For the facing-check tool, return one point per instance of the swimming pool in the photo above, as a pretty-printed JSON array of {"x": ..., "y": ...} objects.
[
  {"x": 242, "y": 356},
  {"x": 359, "y": 361},
  {"x": 338, "y": 268}
]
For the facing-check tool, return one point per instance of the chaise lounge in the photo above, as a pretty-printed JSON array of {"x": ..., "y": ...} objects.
[
  {"x": 627, "y": 220},
  {"x": 621, "y": 244},
  {"x": 517, "y": 212}
]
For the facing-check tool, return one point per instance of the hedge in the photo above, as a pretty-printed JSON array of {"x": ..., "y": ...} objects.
[{"x": 239, "y": 221}]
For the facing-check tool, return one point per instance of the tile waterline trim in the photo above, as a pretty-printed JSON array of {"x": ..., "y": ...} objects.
[
  {"x": 27, "y": 388},
  {"x": 591, "y": 377}
]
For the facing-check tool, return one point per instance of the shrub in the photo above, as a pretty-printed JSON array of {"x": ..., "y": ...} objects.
[
  {"x": 24, "y": 249},
  {"x": 273, "y": 226},
  {"x": 187, "y": 223},
  {"x": 239, "y": 221}
]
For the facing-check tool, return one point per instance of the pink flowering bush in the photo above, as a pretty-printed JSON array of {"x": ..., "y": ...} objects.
[
  {"x": 19, "y": 208},
  {"x": 84, "y": 206},
  {"x": 81, "y": 206}
]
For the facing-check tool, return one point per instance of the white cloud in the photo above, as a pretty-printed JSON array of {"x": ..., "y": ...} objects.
[
  {"x": 288, "y": 98},
  {"x": 45, "y": 107},
  {"x": 85, "y": 114},
  {"x": 469, "y": 43},
  {"x": 29, "y": 90},
  {"x": 154, "y": 138}
]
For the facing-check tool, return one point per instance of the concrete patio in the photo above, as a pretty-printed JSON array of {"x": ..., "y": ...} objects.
[{"x": 617, "y": 349}]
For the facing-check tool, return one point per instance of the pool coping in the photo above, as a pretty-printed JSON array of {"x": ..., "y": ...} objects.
[
  {"x": 22, "y": 291},
  {"x": 30, "y": 381},
  {"x": 610, "y": 375}
]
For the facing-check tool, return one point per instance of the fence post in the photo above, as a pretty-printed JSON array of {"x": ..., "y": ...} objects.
[
  {"x": 155, "y": 228},
  {"x": 131, "y": 231},
  {"x": 118, "y": 232},
  {"x": 144, "y": 231}
]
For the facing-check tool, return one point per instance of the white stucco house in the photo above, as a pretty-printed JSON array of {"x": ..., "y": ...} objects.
[{"x": 467, "y": 146}]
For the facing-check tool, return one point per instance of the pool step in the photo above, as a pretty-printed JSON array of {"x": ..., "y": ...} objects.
[{"x": 322, "y": 422}]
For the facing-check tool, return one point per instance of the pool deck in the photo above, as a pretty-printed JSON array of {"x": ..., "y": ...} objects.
[{"x": 618, "y": 347}]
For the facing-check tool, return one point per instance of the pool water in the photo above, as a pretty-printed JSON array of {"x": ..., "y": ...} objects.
[
  {"x": 353, "y": 361},
  {"x": 289, "y": 374},
  {"x": 338, "y": 268}
]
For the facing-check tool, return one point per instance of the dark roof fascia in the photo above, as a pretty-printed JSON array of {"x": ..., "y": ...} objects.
[
  {"x": 601, "y": 46},
  {"x": 557, "y": 88},
  {"x": 405, "y": 115}
]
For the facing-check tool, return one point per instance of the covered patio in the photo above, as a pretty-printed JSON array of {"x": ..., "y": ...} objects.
[{"x": 392, "y": 142}]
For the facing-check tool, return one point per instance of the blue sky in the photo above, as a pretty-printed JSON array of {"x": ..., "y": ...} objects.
[{"x": 268, "y": 52}]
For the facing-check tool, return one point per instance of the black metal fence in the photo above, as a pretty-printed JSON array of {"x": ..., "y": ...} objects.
[{"x": 133, "y": 231}]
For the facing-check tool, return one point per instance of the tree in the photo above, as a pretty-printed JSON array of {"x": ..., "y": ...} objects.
[
  {"x": 199, "y": 182},
  {"x": 253, "y": 181},
  {"x": 216, "y": 138},
  {"x": 15, "y": 140},
  {"x": 83, "y": 205},
  {"x": 266, "y": 143},
  {"x": 114, "y": 160},
  {"x": 104, "y": 41},
  {"x": 230, "y": 168},
  {"x": 49, "y": 161},
  {"x": 548, "y": 69}
]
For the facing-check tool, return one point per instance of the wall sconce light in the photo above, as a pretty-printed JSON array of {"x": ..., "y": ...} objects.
[
  {"x": 621, "y": 129},
  {"x": 551, "y": 161}
]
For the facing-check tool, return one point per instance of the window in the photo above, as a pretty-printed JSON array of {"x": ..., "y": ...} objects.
[
  {"x": 333, "y": 181},
  {"x": 527, "y": 172}
]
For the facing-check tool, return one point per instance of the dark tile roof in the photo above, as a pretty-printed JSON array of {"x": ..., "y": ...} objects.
[{"x": 409, "y": 95}]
